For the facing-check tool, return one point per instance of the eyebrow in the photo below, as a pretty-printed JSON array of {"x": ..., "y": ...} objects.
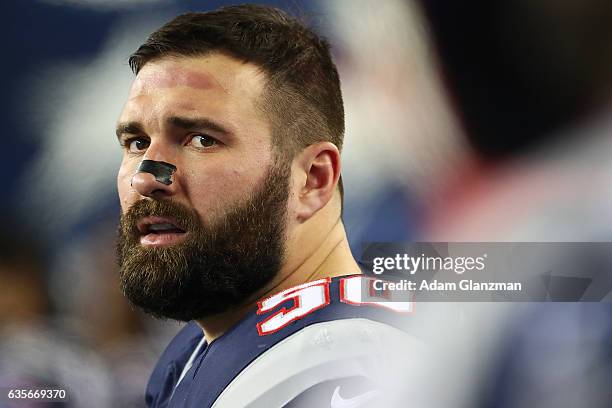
[
  {"x": 130, "y": 128},
  {"x": 133, "y": 128},
  {"x": 196, "y": 124}
]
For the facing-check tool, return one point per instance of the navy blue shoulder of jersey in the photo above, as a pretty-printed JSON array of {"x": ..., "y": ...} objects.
[
  {"x": 219, "y": 362},
  {"x": 169, "y": 366}
]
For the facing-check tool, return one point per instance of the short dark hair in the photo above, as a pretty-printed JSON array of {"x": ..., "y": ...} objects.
[{"x": 302, "y": 97}]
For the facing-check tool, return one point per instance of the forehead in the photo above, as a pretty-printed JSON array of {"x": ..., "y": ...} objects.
[
  {"x": 171, "y": 74},
  {"x": 198, "y": 72},
  {"x": 215, "y": 85}
]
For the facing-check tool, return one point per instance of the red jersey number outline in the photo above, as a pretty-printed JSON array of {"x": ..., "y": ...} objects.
[
  {"x": 294, "y": 293},
  {"x": 298, "y": 292}
]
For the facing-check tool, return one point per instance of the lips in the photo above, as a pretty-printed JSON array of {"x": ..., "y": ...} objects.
[{"x": 160, "y": 231}]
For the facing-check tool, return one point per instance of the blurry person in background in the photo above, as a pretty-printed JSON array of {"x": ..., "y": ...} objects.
[
  {"x": 231, "y": 217},
  {"x": 532, "y": 84},
  {"x": 34, "y": 354},
  {"x": 503, "y": 134}
]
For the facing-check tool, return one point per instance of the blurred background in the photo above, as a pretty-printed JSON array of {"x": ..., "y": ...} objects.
[{"x": 466, "y": 121}]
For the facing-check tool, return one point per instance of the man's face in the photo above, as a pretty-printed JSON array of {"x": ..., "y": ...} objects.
[{"x": 214, "y": 236}]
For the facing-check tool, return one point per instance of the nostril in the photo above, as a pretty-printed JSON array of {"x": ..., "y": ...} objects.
[{"x": 158, "y": 193}]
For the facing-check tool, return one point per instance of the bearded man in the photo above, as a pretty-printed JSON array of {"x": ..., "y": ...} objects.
[{"x": 231, "y": 214}]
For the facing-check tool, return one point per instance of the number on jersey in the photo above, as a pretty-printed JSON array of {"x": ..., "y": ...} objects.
[{"x": 311, "y": 296}]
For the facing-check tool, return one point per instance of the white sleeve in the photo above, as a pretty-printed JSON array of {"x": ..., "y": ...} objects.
[{"x": 320, "y": 352}]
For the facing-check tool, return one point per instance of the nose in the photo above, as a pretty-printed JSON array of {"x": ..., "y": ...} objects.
[{"x": 154, "y": 179}]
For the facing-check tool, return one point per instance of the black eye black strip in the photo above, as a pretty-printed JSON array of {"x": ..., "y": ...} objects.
[{"x": 161, "y": 170}]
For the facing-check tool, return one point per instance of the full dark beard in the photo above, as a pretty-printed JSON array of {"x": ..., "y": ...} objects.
[{"x": 217, "y": 267}]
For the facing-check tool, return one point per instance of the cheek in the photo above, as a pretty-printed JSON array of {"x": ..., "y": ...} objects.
[
  {"x": 213, "y": 189},
  {"x": 124, "y": 188}
]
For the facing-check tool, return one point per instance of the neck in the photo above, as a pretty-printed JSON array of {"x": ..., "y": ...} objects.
[{"x": 331, "y": 257}]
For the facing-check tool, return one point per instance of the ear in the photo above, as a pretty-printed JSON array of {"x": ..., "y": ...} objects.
[{"x": 319, "y": 170}]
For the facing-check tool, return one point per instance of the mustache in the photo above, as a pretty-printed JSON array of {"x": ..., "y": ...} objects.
[{"x": 184, "y": 217}]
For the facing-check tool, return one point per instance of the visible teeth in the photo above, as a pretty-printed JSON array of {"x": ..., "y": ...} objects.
[{"x": 161, "y": 227}]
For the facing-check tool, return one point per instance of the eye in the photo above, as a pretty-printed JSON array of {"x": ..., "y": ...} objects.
[
  {"x": 136, "y": 145},
  {"x": 203, "y": 142}
]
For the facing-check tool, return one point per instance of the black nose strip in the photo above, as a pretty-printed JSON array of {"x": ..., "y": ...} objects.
[{"x": 161, "y": 170}]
